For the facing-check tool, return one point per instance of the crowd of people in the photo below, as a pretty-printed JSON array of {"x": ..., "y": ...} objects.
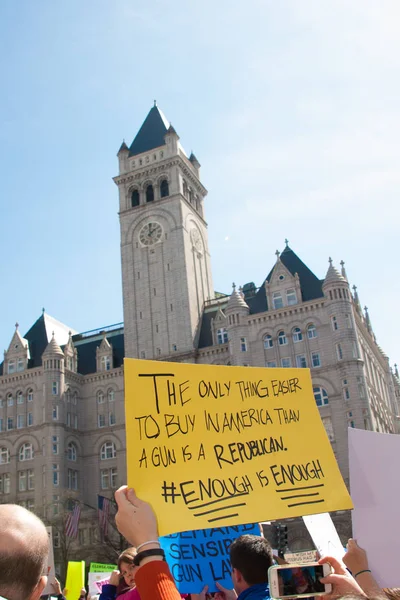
[{"x": 142, "y": 572}]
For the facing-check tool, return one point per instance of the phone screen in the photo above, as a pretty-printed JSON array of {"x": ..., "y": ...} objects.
[{"x": 300, "y": 580}]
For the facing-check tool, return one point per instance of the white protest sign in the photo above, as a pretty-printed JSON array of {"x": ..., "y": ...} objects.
[
  {"x": 308, "y": 556},
  {"x": 375, "y": 489},
  {"x": 50, "y": 571},
  {"x": 95, "y": 579},
  {"x": 324, "y": 535}
]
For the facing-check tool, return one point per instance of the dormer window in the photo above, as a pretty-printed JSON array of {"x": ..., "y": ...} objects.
[
  {"x": 277, "y": 300},
  {"x": 291, "y": 297},
  {"x": 106, "y": 363},
  {"x": 20, "y": 364},
  {"x": 11, "y": 366},
  {"x": 222, "y": 336}
]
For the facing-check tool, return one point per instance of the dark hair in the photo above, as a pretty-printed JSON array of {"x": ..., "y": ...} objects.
[
  {"x": 252, "y": 556},
  {"x": 127, "y": 556}
]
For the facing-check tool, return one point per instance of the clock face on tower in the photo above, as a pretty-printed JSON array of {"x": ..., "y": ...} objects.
[
  {"x": 196, "y": 240},
  {"x": 150, "y": 233}
]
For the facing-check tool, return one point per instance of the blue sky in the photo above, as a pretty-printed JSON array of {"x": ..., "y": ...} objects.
[{"x": 292, "y": 108}]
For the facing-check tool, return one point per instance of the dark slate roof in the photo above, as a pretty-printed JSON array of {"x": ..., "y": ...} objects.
[
  {"x": 87, "y": 347},
  {"x": 311, "y": 286},
  {"x": 151, "y": 134},
  {"x": 205, "y": 337},
  {"x": 40, "y": 334},
  {"x": 86, "y": 343}
]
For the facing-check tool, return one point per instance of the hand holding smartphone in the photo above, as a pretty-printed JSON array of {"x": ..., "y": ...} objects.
[{"x": 298, "y": 581}]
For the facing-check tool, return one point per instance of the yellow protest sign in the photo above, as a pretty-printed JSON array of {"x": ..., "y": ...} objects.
[
  {"x": 75, "y": 579},
  {"x": 211, "y": 446}
]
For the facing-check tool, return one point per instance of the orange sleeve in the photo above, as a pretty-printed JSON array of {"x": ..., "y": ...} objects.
[{"x": 155, "y": 582}]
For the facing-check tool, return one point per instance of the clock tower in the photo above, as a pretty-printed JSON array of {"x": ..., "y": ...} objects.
[{"x": 166, "y": 273}]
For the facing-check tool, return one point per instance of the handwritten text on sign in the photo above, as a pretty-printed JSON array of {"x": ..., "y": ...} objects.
[
  {"x": 212, "y": 445},
  {"x": 201, "y": 557}
]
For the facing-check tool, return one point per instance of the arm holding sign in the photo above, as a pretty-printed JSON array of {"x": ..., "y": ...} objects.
[
  {"x": 137, "y": 522},
  {"x": 343, "y": 584},
  {"x": 356, "y": 560}
]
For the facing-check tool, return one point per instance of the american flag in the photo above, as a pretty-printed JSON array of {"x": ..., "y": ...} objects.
[
  {"x": 103, "y": 505},
  {"x": 72, "y": 522}
]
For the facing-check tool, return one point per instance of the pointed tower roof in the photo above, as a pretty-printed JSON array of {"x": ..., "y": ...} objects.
[
  {"x": 53, "y": 347},
  {"x": 236, "y": 301},
  {"x": 151, "y": 134},
  {"x": 123, "y": 148},
  {"x": 17, "y": 341},
  {"x": 333, "y": 275},
  {"x": 357, "y": 300},
  {"x": 69, "y": 346},
  {"x": 172, "y": 131},
  {"x": 368, "y": 320},
  {"x": 194, "y": 160},
  {"x": 105, "y": 344},
  {"x": 309, "y": 283}
]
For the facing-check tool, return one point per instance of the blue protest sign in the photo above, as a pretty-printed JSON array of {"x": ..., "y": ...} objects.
[{"x": 201, "y": 557}]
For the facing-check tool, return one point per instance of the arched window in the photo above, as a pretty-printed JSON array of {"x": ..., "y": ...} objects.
[
  {"x": 20, "y": 398},
  {"x": 311, "y": 331},
  {"x": 282, "y": 340},
  {"x": 268, "y": 341},
  {"x": 135, "y": 198},
  {"x": 108, "y": 451},
  {"x": 100, "y": 398},
  {"x": 149, "y": 193},
  {"x": 164, "y": 188},
  {"x": 320, "y": 395},
  {"x": 25, "y": 452},
  {"x": 111, "y": 395},
  {"x": 30, "y": 395},
  {"x": 10, "y": 400},
  {"x": 4, "y": 456},
  {"x": 72, "y": 452},
  {"x": 297, "y": 335}
]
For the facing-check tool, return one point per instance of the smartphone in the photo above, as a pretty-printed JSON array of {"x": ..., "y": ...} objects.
[{"x": 298, "y": 581}]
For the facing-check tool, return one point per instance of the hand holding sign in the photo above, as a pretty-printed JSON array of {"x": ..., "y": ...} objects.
[
  {"x": 135, "y": 518},
  {"x": 211, "y": 445}
]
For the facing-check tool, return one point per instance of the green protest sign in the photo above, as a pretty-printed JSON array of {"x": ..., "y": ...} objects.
[{"x": 101, "y": 568}]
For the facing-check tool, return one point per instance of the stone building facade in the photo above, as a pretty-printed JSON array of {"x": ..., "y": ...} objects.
[{"x": 62, "y": 435}]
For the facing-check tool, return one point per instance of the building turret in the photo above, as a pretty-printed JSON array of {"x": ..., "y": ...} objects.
[
  {"x": 171, "y": 139},
  {"x": 104, "y": 355},
  {"x": 339, "y": 305},
  {"x": 195, "y": 163},
  {"x": 54, "y": 378},
  {"x": 123, "y": 154},
  {"x": 17, "y": 355},
  {"x": 356, "y": 301},
  {"x": 71, "y": 355},
  {"x": 237, "y": 311}
]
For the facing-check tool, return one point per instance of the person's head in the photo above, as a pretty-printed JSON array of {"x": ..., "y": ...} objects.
[
  {"x": 126, "y": 566},
  {"x": 251, "y": 557},
  {"x": 24, "y": 547}
]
